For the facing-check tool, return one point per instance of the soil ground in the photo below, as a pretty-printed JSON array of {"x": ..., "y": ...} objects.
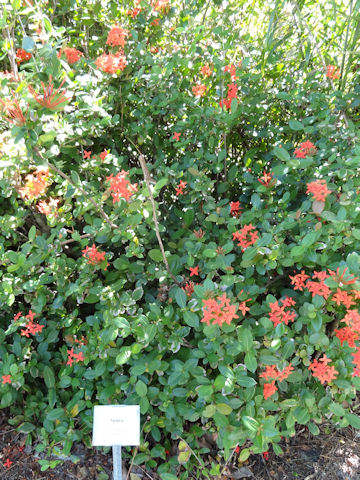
[{"x": 332, "y": 455}]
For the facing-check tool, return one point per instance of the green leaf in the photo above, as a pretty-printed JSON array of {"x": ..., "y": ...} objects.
[
  {"x": 180, "y": 297},
  {"x": 189, "y": 217},
  {"x": 250, "y": 423},
  {"x": 337, "y": 409},
  {"x": 123, "y": 356},
  {"x": 296, "y": 125},
  {"x": 223, "y": 408},
  {"x": 246, "y": 382},
  {"x": 354, "y": 420},
  {"x": 141, "y": 388},
  {"x": 32, "y": 233},
  {"x": 49, "y": 377},
  {"x": 168, "y": 476},
  {"x": 28, "y": 44},
  {"x": 281, "y": 153},
  {"x": 250, "y": 362},
  {"x": 209, "y": 411},
  {"x": 26, "y": 427},
  {"x": 155, "y": 254},
  {"x": 246, "y": 338},
  {"x": 209, "y": 253}
]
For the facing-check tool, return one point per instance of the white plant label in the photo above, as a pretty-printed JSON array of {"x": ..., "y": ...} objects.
[{"x": 116, "y": 425}]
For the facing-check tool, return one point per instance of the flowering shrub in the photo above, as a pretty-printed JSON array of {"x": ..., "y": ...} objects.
[{"x": 205, "y": 265}]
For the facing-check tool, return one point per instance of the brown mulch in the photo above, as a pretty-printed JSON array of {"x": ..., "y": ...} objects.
[{"x": 332, "y": 455}]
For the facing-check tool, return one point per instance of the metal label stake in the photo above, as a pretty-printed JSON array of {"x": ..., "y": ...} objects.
[{"x": 116, "y": 426}]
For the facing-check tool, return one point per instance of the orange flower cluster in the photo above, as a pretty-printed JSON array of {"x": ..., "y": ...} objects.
[
  {"x": 72, "y": 55},
  {"x": 305, "y": 149},
  {"x": 218, "y": 312},
  {"x": 246, "y": 237},
  {"x": 120, "y": 187},
  {"x": 343, "y": 298},
  {"x": 110, "y": 63},
  {"x": 36, "y": 184},
  {"x": 22, "y": 55},
  {"x": 232, "y": 70},
  {"x": 235, "y": 209},
  {"x": 278, "y": 314},
  {"x": 271, "y": 371},
  {"x": 299, "y": 280},
  {"x": 339, "y": 278},
  {"x": 180, "y": 187},
  {"x": 319, "y": 189},
  {"x": 116, "y": 37},
  {"x": 352, "y": 319},
  {"x": 199, "y": 90},
  {"x": 333, "y": 72},
  {"x": 347, "y": 334},
  {"x": 93, "y": 256},
  {"x": 31, "y": 328},
  {"x": 12, "y": 111},
  {"x": 206, "y": 70},
  {"x": 322, "y": 370},
  {"x": 231, "y": 93},
  {"x": 134, "y": 12}
]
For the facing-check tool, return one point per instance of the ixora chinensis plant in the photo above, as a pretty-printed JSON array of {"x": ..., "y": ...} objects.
[{"x": 180, "y": 226}]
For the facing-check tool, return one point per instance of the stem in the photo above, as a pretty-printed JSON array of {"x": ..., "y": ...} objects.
[
  {"x": 342, "y": 83},
  {"x": 79, "y": 187},
  {"x": 148, "y": 180},
  {"x": 11, "y": 53},
  {"x": 65, "y": 242}
]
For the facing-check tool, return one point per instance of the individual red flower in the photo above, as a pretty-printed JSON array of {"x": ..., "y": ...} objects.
[
  {"x": 347, "y": 334},
  {"x": 266, "y": 179},
  {"x": 180, "y": 187},
  {"x": 269, "y": 389},
  {"x": 17, "y": 316},
  {"x": 79, "y": 357},
  {"x": 356, "y": 294},
  {"x": 93, "y": 256},
  {"x": 266, "y": 455},
  {"x": 199, "y": 90},
  {"x": 116, "y": 37},
  {"x": 343, "y": 298},
  {"x": 218, "y": 312},
  {"x": 134, "y": 12},
  {"x": 87, "y": 154},
  {"x": 110, "y": 63},
  {"x": 120, "y": 187},
  {"x": 104, "y": 154},
  {"x": 246, "y": 237},
  {"x": 318, "y": 288},
  {"x": 352, "y": 319},
  {"x": 194, "y": 271},
  {"x": 199, "y": 233},
  {"x": 271, "y": 372},
  {"x": 8, "y": 463},
  {"x": 6, "y": 379},
  {"x": 12, "y": 111},
  {"x": 278, "y": 314},
  {"x": 283, "y": 375},
  {"x": 322, "y": 370},
  {"x": 22, "y": 55},
  {"x": 320, "y": 275},
  {"x": 50, "y": 99},
  {"x": 299, "y": 280},
  {"x": 333, "y": 72},
  {"x": 319, "y": 189},
  {"x": 188, "y": 288},
  {"x": 176, "y": 136},
  {"x": 243, "y": 307},
  {"x": 235, "y": 209},
  {"x": 72, "y": 55},
  {"x": 237, "y": 450},
  {"x": 231, "y": 93},
  {"x": 31, "y": 315},
  {"x": 339, "y": 278},
  {"x": 155, "y": 22}
]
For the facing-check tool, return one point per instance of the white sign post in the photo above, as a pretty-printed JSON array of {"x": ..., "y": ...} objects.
[{"x": 116, "y": 426}]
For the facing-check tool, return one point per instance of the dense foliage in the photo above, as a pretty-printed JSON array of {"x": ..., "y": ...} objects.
[{"x": 187, "y": 127}]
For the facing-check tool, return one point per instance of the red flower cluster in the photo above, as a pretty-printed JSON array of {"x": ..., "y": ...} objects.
[
  {"x": 246, "y": 237},
  {"x": 232, "y": 70},
  {"x": 235, "y": 209},
  {"x": 134, "y": 12},
  {"x": 278, "y": 314},
  {"x": 271, "y": 372},
  {"x": 266, "y": 179},
  {"x": 31, "y": 327},
  {"x": 6, "y": 379},
  {"x": 231, "y": 93},
  {"x": 218, "y": 312},
  {"x": 343, "y": 298},
  {"x": 93, "y": 256},
  {"x": 352, "y": 319},
  {"x": 305, "y": 149},
  {"x": 322, "y": 371},
  {"x": 110, "y": 63},
  {"x": 22, "y": 55},
  {"x": 79, "y": 357},
  {"x": 116, "y": 37},
  {"x": 49, "y": 99},
  {"x": 104, "y": 154},
  {"x": 120, "y": 187},
  {"x": 188, "y": 288},
  {"x": 72, "y": 55},
  {"x": 333, "y": 72},
  {"x": 269, "y": 389},
  {"x": 339, "y": 278},
  {"x": 347, "y": 334},
  {"x": 13, "y": 112},
  {"x": 48, "y": 207},
  {"x": 199, "y": 90},
  {"x": 180, "y": 187},
  {"x": 319, "y": 189}
]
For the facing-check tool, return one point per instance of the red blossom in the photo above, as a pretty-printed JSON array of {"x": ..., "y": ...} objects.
[
  {"x": 206, "y": 70},
  {"x": 265, "y": 179},
  {"x": 269, "y": 389},
  {"x": 342, "y": 298},
  {"x": 246, "y": 237},
  {"x": 218, "y": 312},
  {"x": 322, "y": 370},
  {"x": 278, "y": 314},
  {"x": 12, "y": 111},
  {"x": 116, "y": 37},
  {"x": 232, "y": 70},
  {"x": 50, "y": 99},
  {"x": 104, "y": 154},
  {"x": 333, "y": 72},
  {"x": 87, "y": 154},
  {"x": 299, "y": 280},
  {"x": 17, "y": 316},
  {"x": 318, "y": 288},
  {"x": 199, "y": 90},
  {"x": 235, "y": 209},
  {"x": 93, "y": 256},
  {"x": 6, "y": 379},
  {"x": 266, "y": 455},
  {"x": 8, "y": 463},
  {"x": 347, "y": 334},
  {"x": 188, "y": 288},
  {"x": 120, "y": 187},
  {"x": 319, "y": 189},
  {"x": 339, "y": 278},
  {"x": 352, "y": 319},
  {"x": 194, "y": 271},
  {"x": 22, "y": 55},
  {"x": 72, "y": 55},
  {"x": 180, "y": 187},
  {"x": 176, "y": 136},
  {"x": 305, "y": 149},
  {"x": 110, "y": 63}
]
